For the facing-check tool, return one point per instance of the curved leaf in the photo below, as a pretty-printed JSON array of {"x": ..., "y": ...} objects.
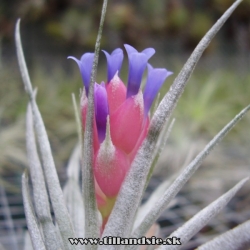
[
  {"x": 35, "y": 234},
  {"x": 184, "y": 176},
  {"x": 198, "y": 221},
  {"x": 41, "y": 199},
  {"x": 55, "y": 191},
  {"x": 236, "y": 238}
]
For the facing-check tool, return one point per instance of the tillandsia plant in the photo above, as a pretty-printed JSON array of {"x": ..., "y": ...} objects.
[{"x": 120, "y": 144}]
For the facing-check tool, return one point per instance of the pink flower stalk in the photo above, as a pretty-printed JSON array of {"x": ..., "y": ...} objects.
[{"x": 121, "y": 117}]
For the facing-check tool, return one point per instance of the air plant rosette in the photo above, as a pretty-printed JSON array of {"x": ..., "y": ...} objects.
[{"x": 120, "y": 142}]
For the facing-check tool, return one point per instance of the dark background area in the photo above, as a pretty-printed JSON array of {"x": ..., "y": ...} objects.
[{"x": 174, "y": 27}]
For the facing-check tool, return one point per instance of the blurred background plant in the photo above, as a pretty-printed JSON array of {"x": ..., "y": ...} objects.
[
  {"x": 219, "y": 88},
  {"x": 128, "y": 20}
]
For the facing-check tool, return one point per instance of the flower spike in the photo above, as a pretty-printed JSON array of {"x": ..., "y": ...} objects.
[
  {"x": 129, "y": 121},
  {"x": 85, "y": 66},
  {"x": 114, "y": 61},
  {"x": 156, "y": 78}
]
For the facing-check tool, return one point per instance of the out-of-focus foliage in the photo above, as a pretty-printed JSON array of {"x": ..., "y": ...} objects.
[{"x": 135, "y": 22}]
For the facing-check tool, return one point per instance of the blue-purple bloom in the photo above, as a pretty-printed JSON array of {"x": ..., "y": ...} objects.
[
  {"x": 85, "y": 65},
  {"x": 155, "y": 79},
  {"x": 137, "y": 65},
  {"x": 114, "y": 61},
  {"x": 111, "y": 97}
]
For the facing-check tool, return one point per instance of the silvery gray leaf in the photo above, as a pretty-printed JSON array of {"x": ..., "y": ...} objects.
[
  {"x": 236, "y": 238},
  {"x": 35, "y": 234},
  {"x": 73, "y": 168},
  {"x": 150, "y": 203},
  {"x": 77, "y": 117},
  {"x": 41, "y": 199},
  {"x": 198, "y": 221},
  {"x": 90, "y": 206},
  {"x": 55, "y": 191},
  {"x": 183, "y": 177},
  {"x": 160, "y": 146},
  {"x": 72, "y": 193}
]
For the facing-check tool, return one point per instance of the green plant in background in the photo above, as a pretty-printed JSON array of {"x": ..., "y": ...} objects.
[{"x": 81, "y": 218}]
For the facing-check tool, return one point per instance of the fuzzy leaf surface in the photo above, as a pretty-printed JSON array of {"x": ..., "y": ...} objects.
[
  {"x": 35, "y": 234},
  {"x": 73, "y": 196},
  {"x": 197, "y": 222},
  {"x": 184, "y": 176},
  {"x": 55, "y": 191},
  {"x": 41, "y": 199},
  {"x": 88, "y": 188},
  {"x": 236, "y": 238},
  {"x": 131, "y": 191}
]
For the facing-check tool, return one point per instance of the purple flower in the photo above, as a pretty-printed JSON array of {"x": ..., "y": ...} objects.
[
  {"x": 114, "y": 95},
  {"x": 156, "y": 78},
  {"x": 85, "y": 65},
  {"x": 114, "y": 61},
  {"x": 137, "y": 65}
]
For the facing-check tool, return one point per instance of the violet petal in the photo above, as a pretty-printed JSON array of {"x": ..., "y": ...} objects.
[
  {"x": 149, "y": 52},
  {"x": 155, "y": 79},
  {"x": 101, "y": 110},
  {"x": 137, "y": 65},
  {"x": 85, "y": 65},
  {"x": 130, "y": 49},
  {"x": 114, "y": 61}
]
